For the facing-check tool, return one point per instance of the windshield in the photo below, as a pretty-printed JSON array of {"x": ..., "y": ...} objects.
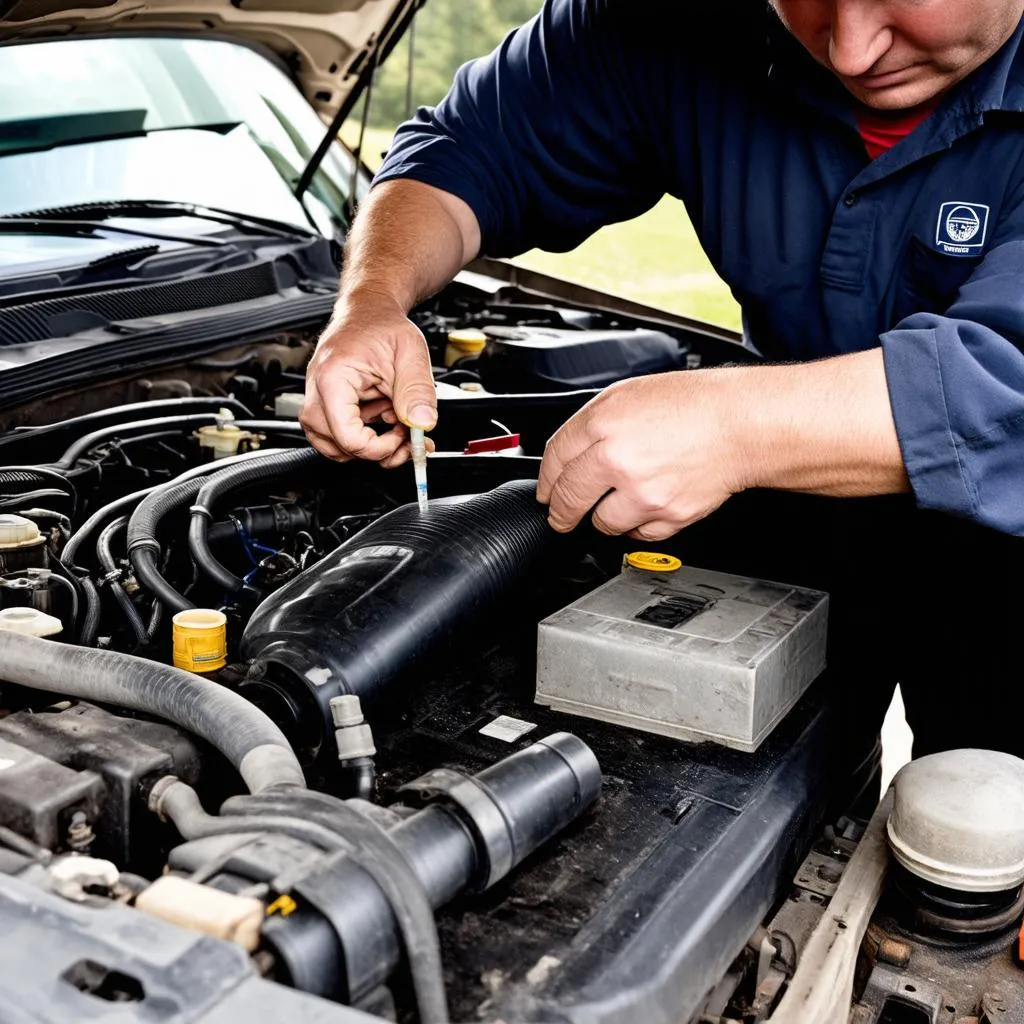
[{"x": 189, "y": 120}]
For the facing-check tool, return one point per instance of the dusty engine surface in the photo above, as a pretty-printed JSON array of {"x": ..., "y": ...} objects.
[{"x": 344, "y": 802}]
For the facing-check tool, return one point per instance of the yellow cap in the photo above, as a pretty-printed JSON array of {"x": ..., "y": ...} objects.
[
  {"x": 469, "y": 341},
  {"x": 653, "y": 562},
  {"x": 200, "y": 639}
]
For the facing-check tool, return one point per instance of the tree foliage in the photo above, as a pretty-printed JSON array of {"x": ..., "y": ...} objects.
[{"x": 448, "y": 33}]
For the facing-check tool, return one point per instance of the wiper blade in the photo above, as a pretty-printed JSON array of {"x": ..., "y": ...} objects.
[
  {"x": 24, "y": 225},
  {"x": 123, "y": 257},
  {"x": 101, "y": 209}
]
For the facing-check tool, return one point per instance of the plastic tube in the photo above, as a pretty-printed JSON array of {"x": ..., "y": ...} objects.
[
  {"x": 238, "y": 729},
  {"x": 419, "y": 464}
]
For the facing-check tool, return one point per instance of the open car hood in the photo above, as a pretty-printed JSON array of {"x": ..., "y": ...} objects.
[{"x": 330, "y": 46}]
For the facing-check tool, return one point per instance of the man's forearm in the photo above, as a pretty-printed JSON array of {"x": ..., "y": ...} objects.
[
  {"x": 822, "y": 428},
  {"x": 408, "y": 241}
]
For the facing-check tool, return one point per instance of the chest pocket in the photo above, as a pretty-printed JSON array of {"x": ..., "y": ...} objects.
[{"x": 930, "y": 280}]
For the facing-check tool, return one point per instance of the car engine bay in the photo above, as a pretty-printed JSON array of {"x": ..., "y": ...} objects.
[{"x": 272, "y": 743}]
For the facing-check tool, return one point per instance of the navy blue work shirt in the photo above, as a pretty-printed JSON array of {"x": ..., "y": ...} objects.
[{"x": 594, "y": 110}]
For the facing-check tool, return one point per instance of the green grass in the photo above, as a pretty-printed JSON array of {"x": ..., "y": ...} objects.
[{"x": 655, "y": 259}]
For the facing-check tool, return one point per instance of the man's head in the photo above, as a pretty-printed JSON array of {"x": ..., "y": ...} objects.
[{"x": 898, "y": 54}]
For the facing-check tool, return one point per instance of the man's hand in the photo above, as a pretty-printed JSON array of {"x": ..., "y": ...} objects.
[
  {"x": 654, "y": 454},
  {"x": 371, "y": 365}
]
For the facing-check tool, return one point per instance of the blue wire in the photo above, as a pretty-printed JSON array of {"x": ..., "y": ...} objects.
[{"x": 249, "y": 545}]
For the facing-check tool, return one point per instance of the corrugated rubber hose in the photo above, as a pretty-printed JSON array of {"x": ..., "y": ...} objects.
[{"x": 238, "y": 729}]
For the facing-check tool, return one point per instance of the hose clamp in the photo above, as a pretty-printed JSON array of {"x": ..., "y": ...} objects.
[{"x": 479, "y": 810}]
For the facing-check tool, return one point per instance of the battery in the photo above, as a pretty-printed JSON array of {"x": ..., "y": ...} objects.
[{"x": 684, "y": 652}]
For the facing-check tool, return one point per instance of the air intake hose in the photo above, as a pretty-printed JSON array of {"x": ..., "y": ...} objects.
[{"x": 384, "y": 600}]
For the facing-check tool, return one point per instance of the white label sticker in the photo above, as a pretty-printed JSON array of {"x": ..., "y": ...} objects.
[{"x": 507, "y": 729}]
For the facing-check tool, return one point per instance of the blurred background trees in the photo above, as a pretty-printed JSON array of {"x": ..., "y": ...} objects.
[
  {"x": 655, "y": 259},
  {"x": 448, "y": 33}
]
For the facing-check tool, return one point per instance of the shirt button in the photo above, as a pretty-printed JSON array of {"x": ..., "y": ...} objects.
[{"x": 851, "y": 199}]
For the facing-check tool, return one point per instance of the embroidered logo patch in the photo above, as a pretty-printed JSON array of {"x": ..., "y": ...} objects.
[{"x": 962, "y": 228}]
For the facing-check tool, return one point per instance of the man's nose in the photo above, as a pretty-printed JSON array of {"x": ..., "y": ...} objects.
[{"x": 861, "y": 36}]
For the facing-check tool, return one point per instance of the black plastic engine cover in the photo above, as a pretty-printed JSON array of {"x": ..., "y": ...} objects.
[
  {"x": 546, "y": 359},
  {"x": 124, "y": 753}
]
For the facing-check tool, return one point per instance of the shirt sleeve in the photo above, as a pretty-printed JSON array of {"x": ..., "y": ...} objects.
[
  {"x": 956, "y": 383},
  {"x": 548, "y": 138}
]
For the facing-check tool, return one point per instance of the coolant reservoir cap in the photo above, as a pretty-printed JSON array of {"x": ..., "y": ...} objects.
[
  {"x": 29, "y": 622},
  {"x": 17, "y": 532},
  {"x": 958, "y": 820},
  {"x": 652, "y": 561},
  {"x": 468, "y": 341}
]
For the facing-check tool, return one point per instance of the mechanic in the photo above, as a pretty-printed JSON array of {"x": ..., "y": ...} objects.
[{"x": 855, "y": 171}]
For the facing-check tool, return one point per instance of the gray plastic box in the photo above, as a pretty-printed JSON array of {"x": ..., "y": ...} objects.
[{"x": 691, "y": 654}]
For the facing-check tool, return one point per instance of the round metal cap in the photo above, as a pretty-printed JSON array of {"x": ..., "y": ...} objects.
[{"x": 957, "y": 820}]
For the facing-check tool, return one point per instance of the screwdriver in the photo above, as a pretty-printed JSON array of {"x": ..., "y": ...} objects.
[{"x": 419, "y": 465}]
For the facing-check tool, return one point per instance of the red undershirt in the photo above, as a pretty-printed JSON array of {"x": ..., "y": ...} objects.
[{"x": 882, "y": 132}]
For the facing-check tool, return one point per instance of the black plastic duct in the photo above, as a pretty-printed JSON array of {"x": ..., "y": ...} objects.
[{"x": 386, "y": 599}]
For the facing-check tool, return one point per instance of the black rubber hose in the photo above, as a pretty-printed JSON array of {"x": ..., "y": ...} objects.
[
  {"x": 359, "y": 779},
  {"x": 144, "y": 562},
  {"x": 179, "y": 803},
  {"x": 274, "y": 467},
  {"x": 20, "y": 501},
  {"x": 91, "y": 623},
  {"x": 78, "y": 473},
  {"x": 128, "y": 503},
  {"x": 36, "y": 444},
  {"x": 238, "y": 729},
  {"x": 99, "y": 519},
  {"x": 112, "y": 574},
  {"x": 143, "y": 545},
  {"x": 72, "y": 589},
  {"x": 156, "y": 616},
  {"x": 129, "y": 430},
  {"x": 33, "y": 476}
]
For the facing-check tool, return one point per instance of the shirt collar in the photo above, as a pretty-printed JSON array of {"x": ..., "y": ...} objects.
[{"x": 999, "y": 83}]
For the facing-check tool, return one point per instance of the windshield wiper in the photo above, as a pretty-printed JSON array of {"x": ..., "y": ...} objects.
[
  {"x": 100, "y": 210},
  {"x": 22, "y": 225}
]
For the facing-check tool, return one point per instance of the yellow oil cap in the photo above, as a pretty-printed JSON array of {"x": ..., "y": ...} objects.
[
  {"x": 200, "y": 639},
  {"x": 652, "y": 561},
  {"x": 465, "y": 342}
]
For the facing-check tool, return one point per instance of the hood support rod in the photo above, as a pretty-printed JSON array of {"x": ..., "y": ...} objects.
[{"x": 389, "y": 35}]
